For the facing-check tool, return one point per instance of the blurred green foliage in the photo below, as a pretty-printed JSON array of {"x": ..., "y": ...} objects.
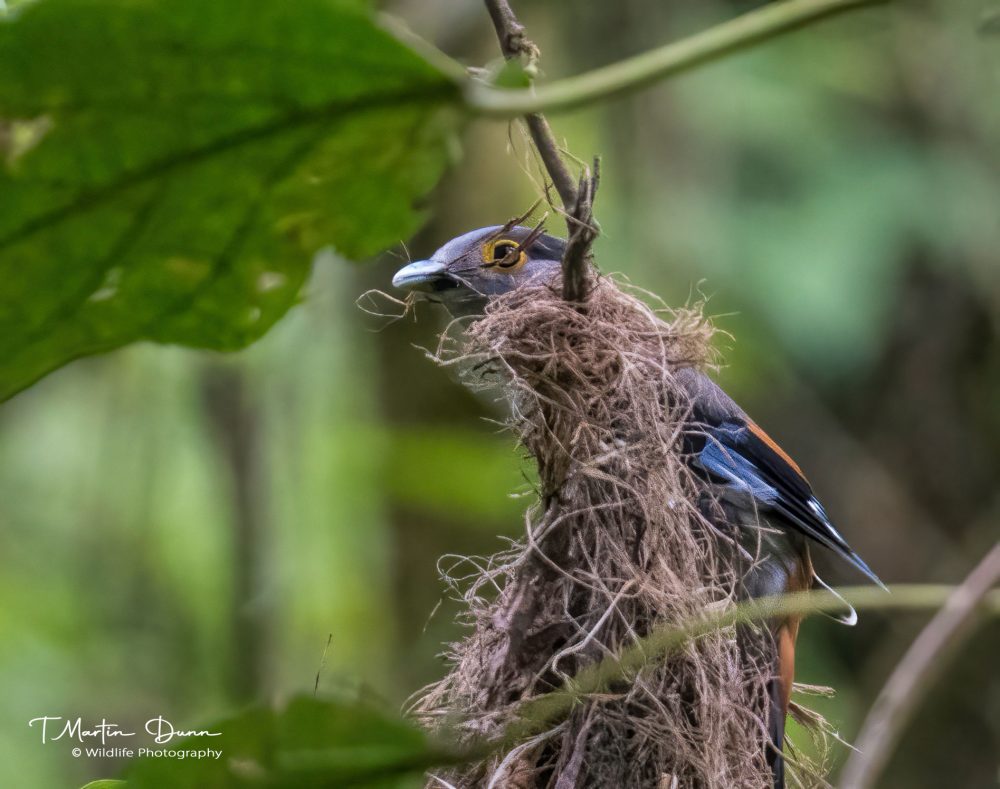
[{"x": 834, "y": 193}]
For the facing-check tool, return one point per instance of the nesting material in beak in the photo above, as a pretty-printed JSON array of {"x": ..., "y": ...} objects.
[{"x": 422, "y": 275}]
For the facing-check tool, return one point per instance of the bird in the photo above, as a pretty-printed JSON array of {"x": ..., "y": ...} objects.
[{"x": 752, "y": 480}]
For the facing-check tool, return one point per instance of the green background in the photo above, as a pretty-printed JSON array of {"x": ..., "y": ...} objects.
[{"x": 181, "y": 531}]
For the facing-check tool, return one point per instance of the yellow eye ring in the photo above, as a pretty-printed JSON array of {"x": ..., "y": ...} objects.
[{"x": 502, "y": 254}]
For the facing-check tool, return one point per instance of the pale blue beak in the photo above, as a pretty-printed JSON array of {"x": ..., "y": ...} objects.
[{"x": 420, "y": 275}]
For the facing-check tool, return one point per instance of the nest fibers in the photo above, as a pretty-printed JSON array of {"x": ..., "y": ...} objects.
[{"x": 617, "y": 545}]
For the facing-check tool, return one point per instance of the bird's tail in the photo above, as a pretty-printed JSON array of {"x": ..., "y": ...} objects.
[{"x": 776, "y": 733}]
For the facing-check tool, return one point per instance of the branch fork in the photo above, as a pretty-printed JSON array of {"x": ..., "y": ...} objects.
[{"x": 577, "y": 199}]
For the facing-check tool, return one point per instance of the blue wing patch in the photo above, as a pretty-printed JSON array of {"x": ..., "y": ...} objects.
[
  {"x": 738, "y": 472},
  {"x": 739, "y": 459}
]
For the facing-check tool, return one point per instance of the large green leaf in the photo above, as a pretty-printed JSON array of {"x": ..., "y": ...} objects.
[
  {"x": 309, "y": 743},
  {"x": 167, "y": 167}
]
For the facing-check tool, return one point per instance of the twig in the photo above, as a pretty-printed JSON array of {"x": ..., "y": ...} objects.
[
  {"x": 583, "y": 233},
  {"x": 511, "y": 758},
  {"x": 510, "y": 32},
  {"x": 322, "y": 663},
  {"x": 569, "y": 777},
  {"x": 669, "y": 60},
  {"x": 548, "y": 150},
  {"x": 578, "y": 201},
  {"x": 917, "y": 672},
  {"x": 513, "y": 44}
]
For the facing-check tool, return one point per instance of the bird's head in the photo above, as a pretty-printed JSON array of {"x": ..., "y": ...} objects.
[{"x": 469, "y": 270}]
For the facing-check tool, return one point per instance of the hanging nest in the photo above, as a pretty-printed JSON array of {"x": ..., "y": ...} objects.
[{"x": 618, "y": 544}]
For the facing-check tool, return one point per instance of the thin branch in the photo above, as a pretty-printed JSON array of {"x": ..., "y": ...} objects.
[
  {"x": 548, "y": 150},
  {"x": 510, "y": 32},
  {"x": 578, "y": 201},
  {"x": 917, "y": 672},
  {"x": 669, "y": 60},
  {"x": 513, "y": 44}
]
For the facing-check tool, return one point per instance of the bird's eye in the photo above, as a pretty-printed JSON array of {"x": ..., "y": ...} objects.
[{"x": 503, "y": 254}]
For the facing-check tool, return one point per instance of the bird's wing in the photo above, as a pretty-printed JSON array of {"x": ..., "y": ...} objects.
[{"x": 733, "y": 451}]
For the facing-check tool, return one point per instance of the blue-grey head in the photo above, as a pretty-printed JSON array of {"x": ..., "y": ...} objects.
[{"x": 469, "y": 270}]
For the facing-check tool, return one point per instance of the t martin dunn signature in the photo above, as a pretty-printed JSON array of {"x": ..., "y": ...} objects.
[{"x": 159, "y": 728}]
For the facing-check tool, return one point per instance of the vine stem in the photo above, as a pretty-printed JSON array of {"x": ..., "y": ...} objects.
[
  {"x": 542, "y": 710},
  {"x": 669, "y": 60}
]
